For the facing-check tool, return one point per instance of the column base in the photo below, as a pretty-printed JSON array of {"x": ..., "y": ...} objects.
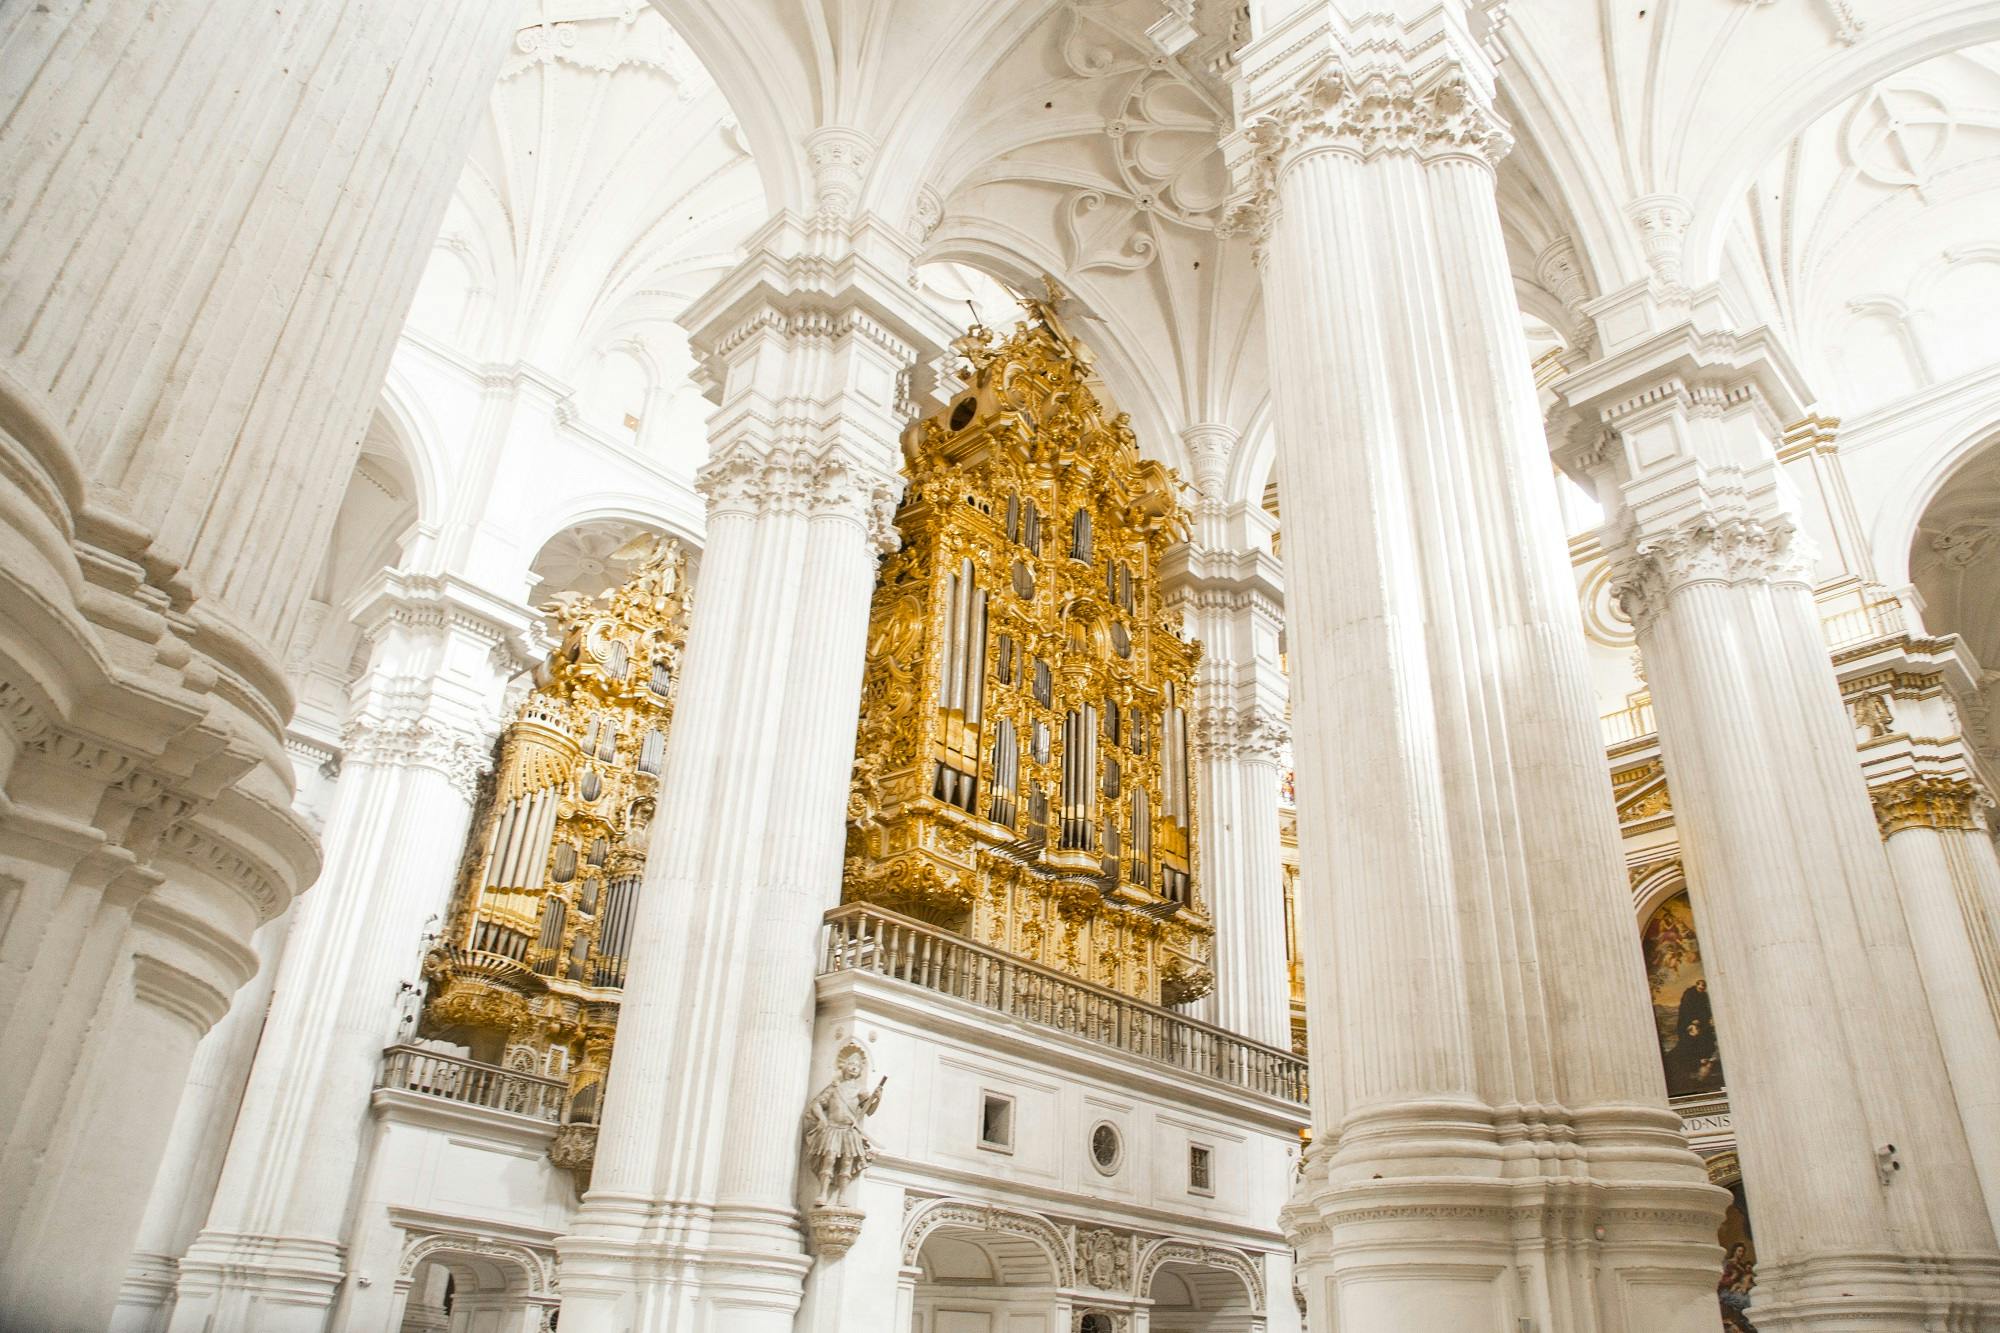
[
  {"x": 146, "y": 1297},
  {"x": 274, "y": 1284},
  {"x": 1859, "y": 1292},
  {"x": 1468, "y": 1248},
  {"x": 636, "y": 1267}
]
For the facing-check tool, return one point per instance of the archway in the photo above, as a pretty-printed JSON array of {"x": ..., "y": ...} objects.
[
  {"x": 986, "y": 1270},
  {"x": 457, "y": 1284},
  {"x": 1200, "y": 1298}
]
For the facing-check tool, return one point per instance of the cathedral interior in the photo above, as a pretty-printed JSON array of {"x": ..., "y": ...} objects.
[{"x": 1044, "y": 666}]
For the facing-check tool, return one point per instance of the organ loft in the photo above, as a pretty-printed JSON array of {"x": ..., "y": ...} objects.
[
  {"x": 1022, "y": 773},
  {"x": 531, "y": 966}
]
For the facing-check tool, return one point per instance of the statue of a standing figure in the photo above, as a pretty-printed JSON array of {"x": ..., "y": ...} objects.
[{"x": 835, "y": 1144}]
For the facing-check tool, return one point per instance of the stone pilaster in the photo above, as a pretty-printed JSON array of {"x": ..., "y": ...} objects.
[
  {"x": 1799, "y": 912},
  {"x": 1492, "y": 1143},
  {"x": 692, "y": 1220},
  {"x": 271, "y": 1255}
]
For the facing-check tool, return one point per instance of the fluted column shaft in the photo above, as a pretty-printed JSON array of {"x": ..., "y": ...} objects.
[
  {"x": 1243, "y": 877},
  {"x": 215, "y": 214},
  {"x": 692, "y": 1221},
  {"x": 271, "y": 1255},
  {"x": 1830, "y": 1043},
  {"x": 192, "y": 1162},
  {"x": 1949, "y": 881},
  {"x": 1470, "y": 955},
  {"x": 1229, "y": 601}
]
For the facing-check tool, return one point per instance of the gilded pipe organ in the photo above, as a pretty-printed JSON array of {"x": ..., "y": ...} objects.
[
  {"x": 531, "y": 964},
  {"x": 1022, "y": 773}
]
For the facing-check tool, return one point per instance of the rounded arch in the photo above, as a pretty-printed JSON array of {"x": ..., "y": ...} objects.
[
  {"x": 1255, "y": 465},
  {"x": 1216, "y": 1259},
  {"x": 1655, "y": 887},
  {"x": 1798, "y": 102},
  {"x": 965, "y": 1215},
  {"x": 684, "y": 526},
  {"x": 501, "y": 1263},
  {"x": 417, "y": 438},
  {"x": 733, "y": 42},
  {"x": 1914, "y": 489}
]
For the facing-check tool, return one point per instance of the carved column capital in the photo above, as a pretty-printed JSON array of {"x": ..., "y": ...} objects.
[
  {"x": 407, "y": 739},
  {"x": 1364, "y": 112},
  {"x": 752, "y": 482},
  {"x": 1251, "y": 735},
  {"x": 1925, "y": 801},
  {"x": 1707, "y": 547}
]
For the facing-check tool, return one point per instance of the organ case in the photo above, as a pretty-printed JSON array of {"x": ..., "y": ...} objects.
[
  {"x": 1023, "y": 771},
  {"x": 530, "y": 966}
]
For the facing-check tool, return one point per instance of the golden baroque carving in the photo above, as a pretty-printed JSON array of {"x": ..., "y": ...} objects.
[
  {"x": 1925, "y": 802},
  {"x": 532, "y": 957},
  {"x": 1022, "y": 770}
]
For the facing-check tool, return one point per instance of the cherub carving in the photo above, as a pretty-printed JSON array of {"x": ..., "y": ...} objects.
[
  {"x": 836, "y": 1147},
  {"x": 866, "y": 797}
]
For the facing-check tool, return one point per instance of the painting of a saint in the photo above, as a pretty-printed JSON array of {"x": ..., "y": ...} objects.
[
  {"x": 1739, "y": 1264},
  {"x": 1682, "y": 1010}
]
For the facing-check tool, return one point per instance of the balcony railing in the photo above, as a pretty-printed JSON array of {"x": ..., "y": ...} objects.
[
  {"x": 1628, "y": 724},
  {"x": 1877, "y": 620},
  {"x": 862, "y": 938},
  {"x": 471, "y": 1083}
]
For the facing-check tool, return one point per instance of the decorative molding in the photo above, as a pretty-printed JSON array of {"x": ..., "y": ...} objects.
[
  {"x": 1225, "y": 732},
  {"x": 1223, "y": 1257},
  {"x": 839, "y": 157},
  {"x": 1662, "y": 220},
  {"x": 751, "y": 482},
  {"x": 934, "y": 1214},
  {"x": 532, "y": 1263}
]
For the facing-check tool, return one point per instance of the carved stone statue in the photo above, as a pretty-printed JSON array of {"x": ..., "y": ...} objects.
[{"x": 835, "y": 1144}]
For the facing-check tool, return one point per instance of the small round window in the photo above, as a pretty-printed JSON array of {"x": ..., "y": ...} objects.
[{"x": 1107, "y": 1149}]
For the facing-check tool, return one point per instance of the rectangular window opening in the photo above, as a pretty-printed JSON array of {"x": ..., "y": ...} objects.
[
  {"x": 996, "y": 1122},
  {"x": 1201, "y": 1169}
]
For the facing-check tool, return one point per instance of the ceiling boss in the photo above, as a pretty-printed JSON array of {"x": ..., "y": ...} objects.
[{"x": 1022, "y": 774}]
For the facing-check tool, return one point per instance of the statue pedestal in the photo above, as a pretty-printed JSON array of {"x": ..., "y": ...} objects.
[{"x": 833, "y": 1229}]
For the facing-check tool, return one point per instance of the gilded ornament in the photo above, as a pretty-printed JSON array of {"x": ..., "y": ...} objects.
[
  {"x": 1022, "y": 772},
  {"x": 532, "y": 958}
]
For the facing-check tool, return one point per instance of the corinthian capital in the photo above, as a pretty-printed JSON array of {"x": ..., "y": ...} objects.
[
  {"x": 1247, "y": 735},
  {"x": 1706, "y": 547},
  {"x": 405, "y": 740},
  {"x": 751, "y": 481},
  {"x": 1367, "y": 89}
]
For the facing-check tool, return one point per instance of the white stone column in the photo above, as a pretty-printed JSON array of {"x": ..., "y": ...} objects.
[
  {"x": 271, "y": 1254},
  {"x": 1817, "y": 965},
  {"x": 1493, "y": 1150},
  {"x": 1230, "y": 601},
  {"x": 216, "y": 213},
  {"x": 692, "y": 1220},
  {"x": 192, "y": 1163},
  {"x": 1949, "y": 881}
]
